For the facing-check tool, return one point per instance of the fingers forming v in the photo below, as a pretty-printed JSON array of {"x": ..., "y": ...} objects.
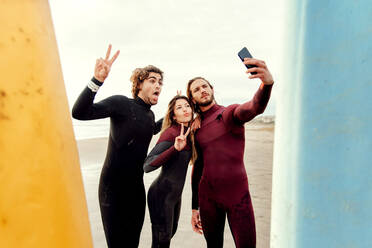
[
  {"x": 187, "y": 132},
  {"x": 182, "y": 129},
  {"x": 108, "y": 52},
  {"x": 111, "y": 61}
]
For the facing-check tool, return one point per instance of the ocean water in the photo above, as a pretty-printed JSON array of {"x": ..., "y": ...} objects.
[
  {"x": 91, "y": 129},
  {"x": 100, "y": 128}
]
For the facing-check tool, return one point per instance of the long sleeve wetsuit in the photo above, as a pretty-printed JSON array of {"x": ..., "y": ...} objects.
[
  {"x": 164, "y": 195},
  {"x": 219, "y": 178},
  {"x": 122, "y": 195}
]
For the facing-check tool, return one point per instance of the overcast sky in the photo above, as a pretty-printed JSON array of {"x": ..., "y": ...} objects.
[{"x": 183, "y": 38}]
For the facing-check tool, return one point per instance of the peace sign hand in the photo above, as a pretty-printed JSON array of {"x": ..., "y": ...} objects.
[
  {"x": 103, "y": 66},
  {"x": 181, "y": 141}
]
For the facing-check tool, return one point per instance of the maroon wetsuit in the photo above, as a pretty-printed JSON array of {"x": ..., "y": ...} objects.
[
  {"x": 164, "y": 195},
  {"x": 219, "y": 179}
]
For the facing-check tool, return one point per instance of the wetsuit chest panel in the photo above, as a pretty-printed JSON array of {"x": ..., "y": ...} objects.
[
  {"x": 143, "y": 120},
  {"x": 211, "y": 124},
  {"x": 137, "y": 128},
  {"x": 143, "y": 128},
  {"x": 222, "y": 144},
  {"x": 217, "y": 127}
]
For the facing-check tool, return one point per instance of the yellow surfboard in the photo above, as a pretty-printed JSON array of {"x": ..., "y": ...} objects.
[{"x": 42, "y": 200}]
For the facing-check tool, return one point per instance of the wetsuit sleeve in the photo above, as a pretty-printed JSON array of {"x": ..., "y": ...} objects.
[
  {"x": 247, "y": 111},
  {"x": 158, "y": 126},
  {"x": 85, "y": 109},
  {"x": 161, "y": 153},
  {"x": 197, "y": 171}
]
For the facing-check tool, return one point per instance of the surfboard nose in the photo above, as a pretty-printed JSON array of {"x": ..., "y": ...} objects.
[
  {"x": 322, "y": 192},
  {"x": 42, "y": 197}
]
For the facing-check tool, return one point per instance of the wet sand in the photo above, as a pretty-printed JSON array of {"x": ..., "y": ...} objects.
[{"x": 258, "y": 160}]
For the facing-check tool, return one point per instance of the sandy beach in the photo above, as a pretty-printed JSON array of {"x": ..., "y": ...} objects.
[{"x": 258, "y": 160}]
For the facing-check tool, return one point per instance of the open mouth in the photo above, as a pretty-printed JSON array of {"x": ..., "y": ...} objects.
[{"x": 156, "y": 93}]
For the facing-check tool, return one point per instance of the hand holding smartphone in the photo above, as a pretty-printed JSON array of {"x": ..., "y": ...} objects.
[{"x": 244, "y": 53}]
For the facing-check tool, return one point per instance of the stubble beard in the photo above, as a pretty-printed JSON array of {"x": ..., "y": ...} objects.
[{"x": 207, "y": 103}]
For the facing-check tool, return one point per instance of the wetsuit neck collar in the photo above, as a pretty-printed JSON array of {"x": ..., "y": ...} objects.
[
  {"x": 210, "y": 111},
  {"x": 139, "y": 101}
]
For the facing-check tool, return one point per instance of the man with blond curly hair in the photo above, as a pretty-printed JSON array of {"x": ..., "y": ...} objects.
[{"x": 132, "y": 124}]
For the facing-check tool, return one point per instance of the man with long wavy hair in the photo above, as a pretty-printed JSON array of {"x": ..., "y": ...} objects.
[
  {"x": 121, "y": 189},
  {"x": 219, "y": 179}
]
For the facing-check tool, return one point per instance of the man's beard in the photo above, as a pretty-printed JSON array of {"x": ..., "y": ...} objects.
[{"x": 204, "y": 104}]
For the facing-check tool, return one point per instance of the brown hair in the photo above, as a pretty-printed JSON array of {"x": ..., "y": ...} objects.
[
  {"x": 189, "y": 93},
  {"x": 139, "y": 75},
  {"x": 169, "y": 121}
]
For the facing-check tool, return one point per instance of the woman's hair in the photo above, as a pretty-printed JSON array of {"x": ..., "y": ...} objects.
[
  {"x": 139, "y": 75},
  {"x": 169, "y": 116},
  {"x": 189, "y": 94},
  {"x": 169, "y": 121}
]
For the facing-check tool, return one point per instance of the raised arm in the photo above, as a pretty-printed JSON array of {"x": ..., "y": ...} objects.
[
  {"x": 160, "y": 154},
  {"x": 247, "y": 111},
  {"x": 167, "y": 146},
  {"x": 84, "y": 109}
]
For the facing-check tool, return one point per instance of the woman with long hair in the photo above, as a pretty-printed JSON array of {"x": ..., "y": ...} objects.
[{"x": 172, "y": 152}]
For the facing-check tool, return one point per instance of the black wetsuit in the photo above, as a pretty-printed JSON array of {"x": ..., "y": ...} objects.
[
  {"x": 164, "y": 195},
  {"x": 122, "y": 195}
]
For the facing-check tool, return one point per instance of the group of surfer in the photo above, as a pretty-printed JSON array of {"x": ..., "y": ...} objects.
[{"x": 195, "y": 130}]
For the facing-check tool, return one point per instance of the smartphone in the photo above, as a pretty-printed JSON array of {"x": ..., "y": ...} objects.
[{"x": 244, "y": 53}]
